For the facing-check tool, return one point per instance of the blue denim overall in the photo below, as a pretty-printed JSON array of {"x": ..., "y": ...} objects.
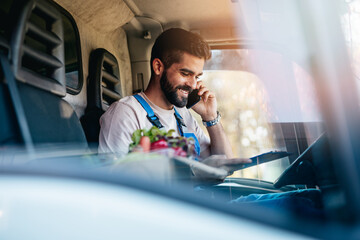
[{"x": 179, "y": 120}]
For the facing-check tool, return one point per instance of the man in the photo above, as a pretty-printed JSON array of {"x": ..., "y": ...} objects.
[{"x": 177, "y": 62}]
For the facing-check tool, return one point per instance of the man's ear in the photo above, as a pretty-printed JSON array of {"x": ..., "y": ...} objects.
[{"x": 158, "y": 66}]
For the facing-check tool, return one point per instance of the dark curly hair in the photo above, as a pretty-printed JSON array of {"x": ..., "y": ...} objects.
[{"x": 170, "y": 46}]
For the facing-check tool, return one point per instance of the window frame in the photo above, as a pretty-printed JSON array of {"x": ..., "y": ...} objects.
[{"x": 70, "y": 90}]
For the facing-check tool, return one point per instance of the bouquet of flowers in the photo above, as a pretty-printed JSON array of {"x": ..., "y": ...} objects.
[{"x": 156, "y": 139}]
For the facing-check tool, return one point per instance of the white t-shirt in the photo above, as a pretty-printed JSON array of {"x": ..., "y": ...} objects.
[{"x": 127, "y": 115}]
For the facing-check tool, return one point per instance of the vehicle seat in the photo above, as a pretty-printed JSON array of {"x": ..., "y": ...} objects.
[
  {"x": 104, "y": 88},
  {"x": 37, "y": 65},
  {"x": 9, "y": 132}
]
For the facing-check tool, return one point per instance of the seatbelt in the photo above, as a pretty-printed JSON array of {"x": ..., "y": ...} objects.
[{"x": 19, "y": 110}]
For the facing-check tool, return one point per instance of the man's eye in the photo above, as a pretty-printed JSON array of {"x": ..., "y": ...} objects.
[{"x": 185, "y": 74}]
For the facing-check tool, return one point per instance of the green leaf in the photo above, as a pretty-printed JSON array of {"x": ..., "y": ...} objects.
[
  {"x": 155, "y": 134},
  {"x": 191, "y": 140},
  {"x": 136, "y": 136},
  {"x": 170, "y": 132},
  {"x": 155, "y": 131}
]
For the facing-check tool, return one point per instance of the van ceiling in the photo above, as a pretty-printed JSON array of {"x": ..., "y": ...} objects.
[
  {"x": 107, "y": 15},
  {"x": 213, "y": 19},
  {"x": 190, "y": 14}
]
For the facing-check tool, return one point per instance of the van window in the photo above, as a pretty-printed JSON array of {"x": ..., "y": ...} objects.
[
  {"x": 258, "y": 93},
  {"x": 73, "y": 66},
  {"x": 350, "y": 21}
]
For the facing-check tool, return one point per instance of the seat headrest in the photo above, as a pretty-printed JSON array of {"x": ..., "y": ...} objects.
[
  {"x": 37, "y": 45},
  {"x": 4, "y": 46},
  {"x": 104, "y": 80}
]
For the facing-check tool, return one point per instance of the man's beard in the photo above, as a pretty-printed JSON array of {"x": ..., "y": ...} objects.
[{"x": 171, "y": 92}]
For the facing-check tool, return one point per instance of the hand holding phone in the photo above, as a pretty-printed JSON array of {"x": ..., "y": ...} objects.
[{"x": 193, "y": 98}]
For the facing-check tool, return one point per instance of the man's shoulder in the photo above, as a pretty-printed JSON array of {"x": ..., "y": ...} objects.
[
  {"x": 125, "y": 105},
  {"x": 125, "y": 102}
]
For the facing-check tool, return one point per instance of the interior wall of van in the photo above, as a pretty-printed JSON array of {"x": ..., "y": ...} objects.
[
  {"x": 141, "y": 33},
  {"x": 106, "y": 34}
]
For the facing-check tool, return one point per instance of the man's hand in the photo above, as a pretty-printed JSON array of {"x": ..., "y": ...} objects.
[
  {"x": 207, "y": 106},
  {"x": 230, "y": 165},
  {"x": 220, "y": 161},
  {"x": 207, "y": 109}
]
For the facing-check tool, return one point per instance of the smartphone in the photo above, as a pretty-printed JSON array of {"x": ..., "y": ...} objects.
[{"x": 193, "y": 98}]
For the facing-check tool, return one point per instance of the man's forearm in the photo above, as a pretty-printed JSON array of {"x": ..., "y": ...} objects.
[{"x": 220, "y": 144}]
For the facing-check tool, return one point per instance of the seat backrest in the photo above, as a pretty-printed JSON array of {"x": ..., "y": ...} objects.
[
  {"x": 37, "y": 64},
  {"x": 9, "y": 132},
  {"x": 104, "y": 88}
]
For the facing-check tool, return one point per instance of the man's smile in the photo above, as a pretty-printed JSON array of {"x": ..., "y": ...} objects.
[{"x": 184, "y": 92}]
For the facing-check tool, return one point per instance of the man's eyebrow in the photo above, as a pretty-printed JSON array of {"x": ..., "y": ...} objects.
[
  {"x": 186, "y": 70},
  {"x": 189, "y": 71}
]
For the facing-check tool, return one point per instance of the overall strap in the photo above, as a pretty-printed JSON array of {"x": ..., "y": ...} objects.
[
  {"x": 156, "y": 122},
  {"x": 180, "y": 122},
  {"x": 150, "y": 113}
]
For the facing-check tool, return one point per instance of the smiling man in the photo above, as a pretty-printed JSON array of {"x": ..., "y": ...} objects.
[{"x": 177, "y": 61}]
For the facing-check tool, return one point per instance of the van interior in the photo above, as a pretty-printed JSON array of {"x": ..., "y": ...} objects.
[{"x": 64, "y": 62}]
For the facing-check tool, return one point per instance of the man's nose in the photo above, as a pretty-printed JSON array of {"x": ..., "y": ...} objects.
[{"x": 192, "y": 82}]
